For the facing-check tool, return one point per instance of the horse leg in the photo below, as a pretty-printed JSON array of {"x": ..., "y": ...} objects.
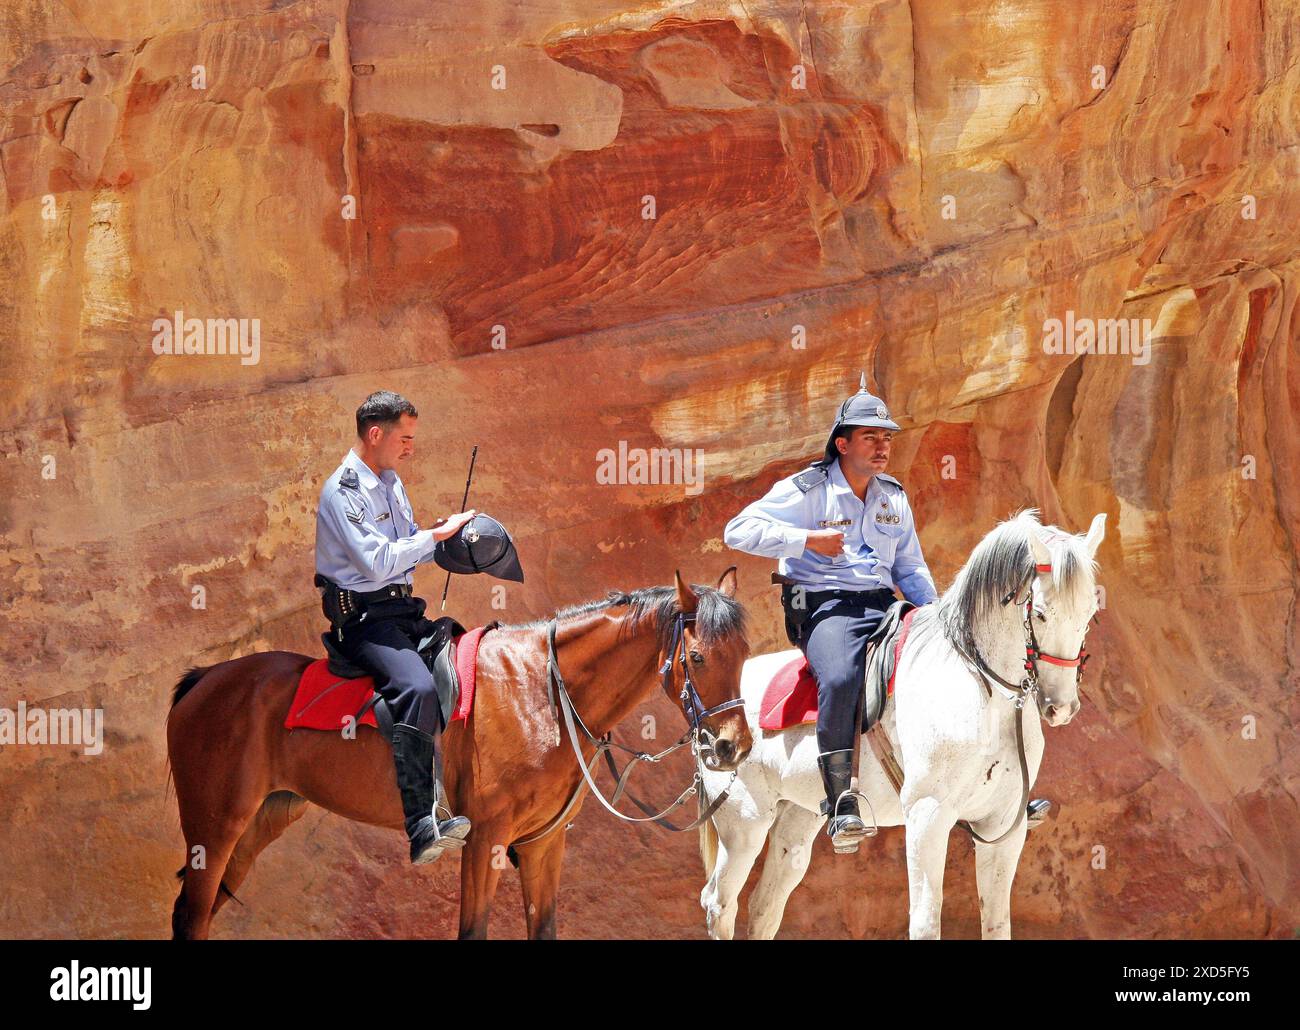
[
  {"x": 480, "y": 870},
  {"x": 739, "y": 841},
  {"x": 928, "y": 824},
  {"x": 539, "y": 876},
  {"x": 192, "y": 913},
  {"x": 279, "y": 811},
  {"x": 995, "y": 868},
  {"x": 790, "y": 843}
]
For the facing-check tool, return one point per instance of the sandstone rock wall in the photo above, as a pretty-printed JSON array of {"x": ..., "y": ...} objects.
[{"x": 910, "y": 188}]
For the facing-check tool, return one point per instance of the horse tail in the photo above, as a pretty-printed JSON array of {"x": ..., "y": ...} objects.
[
  {"x": 183, "y": 686},
  {"x": 708, "y": 846},
  {"x": 221, "y": 888},
  {"x": 188, "y": 682}
]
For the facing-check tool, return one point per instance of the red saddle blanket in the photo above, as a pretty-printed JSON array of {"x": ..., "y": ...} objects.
[
  {"x": 791, "y": 697},
  {"x": 323, "y": 701}
]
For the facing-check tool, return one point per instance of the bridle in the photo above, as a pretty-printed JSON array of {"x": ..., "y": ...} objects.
[
  {"x": 697, "y": 736},
  {"x": 1028, "y": 686},
  {"x": 1024, "y": 690},
  {"x": 692, "y": 704}
]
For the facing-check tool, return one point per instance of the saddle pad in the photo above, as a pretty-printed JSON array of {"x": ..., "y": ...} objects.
[
  {"x": 324, "y": 701},
  {"x": 790, "y": 699},
  {"x": 904, "y": 629},
  {"x": 466, "y": 669}
]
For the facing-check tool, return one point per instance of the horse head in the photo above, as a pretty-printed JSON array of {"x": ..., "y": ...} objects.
[
  {"x": 701, "y": 662},
  {"x": 1059, "y": 607}
]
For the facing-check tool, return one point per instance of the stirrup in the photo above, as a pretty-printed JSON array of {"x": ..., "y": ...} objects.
[
  {"x": 846, "y": 843},
  {"x": 453, "y": 839},
  {"x": 456, "y": 834}
]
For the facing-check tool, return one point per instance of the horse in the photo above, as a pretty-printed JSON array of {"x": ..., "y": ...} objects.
[
  {"x": 242, "y": 779},
  {"x": 959, "y": 739}
]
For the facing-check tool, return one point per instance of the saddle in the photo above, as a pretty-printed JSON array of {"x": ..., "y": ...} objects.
[
  {"x": 791, "y": 697},
  {"x": 883, "y": 649},
  {"x": 334, "y": 687}
]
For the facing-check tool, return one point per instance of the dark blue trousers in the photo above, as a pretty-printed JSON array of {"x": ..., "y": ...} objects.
[
  {"x": 386, "y": 643},
  {"x": 834, "y": 639}
]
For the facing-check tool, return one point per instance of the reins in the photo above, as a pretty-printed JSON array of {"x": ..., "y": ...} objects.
[
  {"x": 1024, "y": 690},
  {"x": 563, "y": 710}
]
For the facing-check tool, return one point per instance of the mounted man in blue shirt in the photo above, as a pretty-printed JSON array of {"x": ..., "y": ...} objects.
[
  {"x": 367, "y": 544},
  {"x": 846, "y": 539}
]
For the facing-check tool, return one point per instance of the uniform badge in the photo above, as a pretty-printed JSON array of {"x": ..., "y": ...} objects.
[
  {"x": 383, "y": 516},
  {"x": 829, "y": 523},
  {"x": 354, "y": 509},
  {"x": 889, "y": 520},
  {"x": 881, "y": 412},
  {"x": 349, "y": 479}
]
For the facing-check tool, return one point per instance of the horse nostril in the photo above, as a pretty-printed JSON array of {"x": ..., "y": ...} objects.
[{"x": 725, "y": 750}]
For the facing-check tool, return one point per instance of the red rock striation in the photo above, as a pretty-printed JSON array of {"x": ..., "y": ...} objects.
[{"x": 677, "y": 225}]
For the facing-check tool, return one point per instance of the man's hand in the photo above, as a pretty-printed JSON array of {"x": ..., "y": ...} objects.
[
  {"x": 445, "y": 529},
  {"x": 829, "y": 542}
]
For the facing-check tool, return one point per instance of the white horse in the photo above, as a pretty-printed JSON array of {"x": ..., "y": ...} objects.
[{"x": 1024, "y": 585}]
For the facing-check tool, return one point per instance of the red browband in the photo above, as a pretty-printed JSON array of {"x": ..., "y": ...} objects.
[{"x": 1065, "y": 663}]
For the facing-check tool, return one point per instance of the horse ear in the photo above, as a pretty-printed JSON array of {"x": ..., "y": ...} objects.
[
  {"x": 686, "y": 599},
  {"x": 1096, "y": 532},
  {"x": 727, "y": 582},
  {"x": 1042, "y": 555}
]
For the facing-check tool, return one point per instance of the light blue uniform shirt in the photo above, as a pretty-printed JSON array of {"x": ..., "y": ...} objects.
[
  {"x": 366, "y": 536},
  {"x": 881, "y": 548}
]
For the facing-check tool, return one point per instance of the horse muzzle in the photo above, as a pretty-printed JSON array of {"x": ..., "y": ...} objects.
[
  {"x": 1059, "y": 714},
  {"x": 721, "y": 754}
]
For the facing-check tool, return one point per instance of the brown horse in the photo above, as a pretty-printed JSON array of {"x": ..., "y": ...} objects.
[{"x": 242, "y": 778}]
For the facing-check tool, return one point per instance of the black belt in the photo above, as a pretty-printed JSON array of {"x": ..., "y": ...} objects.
[
  {"x": 869, "y": 598},
  {"x": 384, "y": 593}
]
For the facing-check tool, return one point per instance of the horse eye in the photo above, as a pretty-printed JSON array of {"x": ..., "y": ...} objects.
[
  {"x": 697, "y": 658},
  {"x": 1041, "y": 616}
]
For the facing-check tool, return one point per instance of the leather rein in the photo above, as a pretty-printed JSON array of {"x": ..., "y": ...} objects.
[
  {"x": 563, "y": 711},
  {"x": 1024, "y": 690}
]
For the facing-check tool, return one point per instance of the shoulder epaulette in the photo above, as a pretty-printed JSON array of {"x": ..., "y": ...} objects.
[
  {"x": 812, "y": 476},
  {"x": 349, "y": 479},
  {"x": 889, "y": 479}
]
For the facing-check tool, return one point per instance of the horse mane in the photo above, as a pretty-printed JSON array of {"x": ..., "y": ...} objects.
[
  {"x": 716, "y": 615},
  {"x": 1001, "y": 562}
]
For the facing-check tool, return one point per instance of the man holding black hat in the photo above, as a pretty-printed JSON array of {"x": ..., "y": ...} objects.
[
  {"x": 845, "y": 537},
  {"x": 367, "y": 544}
]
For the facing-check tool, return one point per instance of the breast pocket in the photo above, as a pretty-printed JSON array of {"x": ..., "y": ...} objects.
[{"x": 884, "y": 538}]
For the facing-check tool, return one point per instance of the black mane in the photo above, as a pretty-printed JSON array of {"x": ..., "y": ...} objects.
[{"x": 716, "y": 616}]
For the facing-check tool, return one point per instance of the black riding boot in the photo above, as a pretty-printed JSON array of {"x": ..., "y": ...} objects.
[
  {"x": 413, "y": 755},
  {"x": 845, "y": 827}
]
